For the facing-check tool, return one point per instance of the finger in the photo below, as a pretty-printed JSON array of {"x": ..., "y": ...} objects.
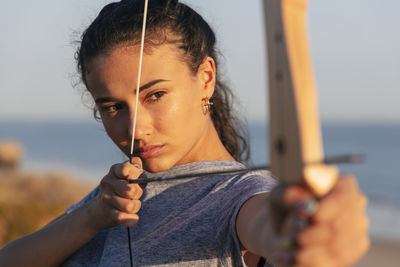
[
  {"x": 351, "y": 218},
  {"x": 137, "y": 162},
  {"x": 353, "y": 251},
  {"x": 314, "y": 256},
  {"x": 350, "y": 241},
  {"x": 285, "y": 198},
  {"x": 123, "y": 218},
  {"x": 351, "y": 212},
  {"x": 350, "y": 246},
  {"x": 300, "y": 202},
  {"x": 128, "y": 191},
  {"x": 296, "y": 194},
  {"x": 127, "y": 170},
  {"x": 121, "y": 187},
  {"x": 341, "y": 195},
  {"x": 123, "y": 204},
  {"x": 350, "y": 234},
  {"x": 314, "y": 235},
  {"x": 286, "y": 202}
]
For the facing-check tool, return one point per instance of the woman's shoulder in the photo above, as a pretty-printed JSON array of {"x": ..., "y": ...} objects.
[
  {"x": 241, "y": 175},
  {"x": 206, "y": 173}
]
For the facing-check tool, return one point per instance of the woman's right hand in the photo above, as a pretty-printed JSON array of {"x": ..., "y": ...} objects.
[{"x": 118, "y": 201}]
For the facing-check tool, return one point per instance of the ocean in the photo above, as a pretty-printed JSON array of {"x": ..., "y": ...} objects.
[{"x": 84, "y": 150}]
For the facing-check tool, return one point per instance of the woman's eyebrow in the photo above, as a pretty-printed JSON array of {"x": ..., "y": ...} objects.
[
  {"x": 106, "y": 99},
  {"x": 150, "y": 84}
]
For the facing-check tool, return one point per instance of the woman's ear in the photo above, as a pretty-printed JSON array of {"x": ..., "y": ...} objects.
[{"x": 207, "y": 75}]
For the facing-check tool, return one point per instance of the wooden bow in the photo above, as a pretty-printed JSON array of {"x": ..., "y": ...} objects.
[{"x": 296, "y": 151}]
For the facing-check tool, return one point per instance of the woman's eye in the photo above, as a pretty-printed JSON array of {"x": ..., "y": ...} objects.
[
  {"x": 155, "y": 96},
  {"x": 110, "y": 108}
]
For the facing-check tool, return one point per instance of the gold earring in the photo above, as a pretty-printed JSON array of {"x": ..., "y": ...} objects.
[{"x": 206, "y": 105}]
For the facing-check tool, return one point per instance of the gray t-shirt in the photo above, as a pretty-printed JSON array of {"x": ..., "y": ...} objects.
[{"x": 189, "y": 222}]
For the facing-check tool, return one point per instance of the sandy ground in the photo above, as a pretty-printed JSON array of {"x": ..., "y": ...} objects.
[{"x": 383, "y": 253}]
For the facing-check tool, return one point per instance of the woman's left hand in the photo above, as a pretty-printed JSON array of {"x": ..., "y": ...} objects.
[{"x": 330, "y": 232}]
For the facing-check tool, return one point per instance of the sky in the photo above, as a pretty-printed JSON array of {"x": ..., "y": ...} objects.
[{"x": 355, "y": 46}]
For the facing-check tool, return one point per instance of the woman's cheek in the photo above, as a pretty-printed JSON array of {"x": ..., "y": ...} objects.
[
  {"x": 168, "y": 117},
  {"x": 115, "y": 130}
]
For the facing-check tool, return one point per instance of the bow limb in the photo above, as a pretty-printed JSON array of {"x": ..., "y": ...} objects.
[{"x": 295, "y": 132}]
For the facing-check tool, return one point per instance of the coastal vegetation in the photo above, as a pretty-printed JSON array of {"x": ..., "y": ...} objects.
[{"x": 30, "y": 200}]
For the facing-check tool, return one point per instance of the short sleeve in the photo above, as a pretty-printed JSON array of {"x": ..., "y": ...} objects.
[
  {"x": 250, "y": 185},
  {"x": 84, "y": 200},
  {"x": 233, "y": 193}
]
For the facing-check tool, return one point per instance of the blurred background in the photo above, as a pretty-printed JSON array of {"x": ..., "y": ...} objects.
[{"x": 355, "y": 51}]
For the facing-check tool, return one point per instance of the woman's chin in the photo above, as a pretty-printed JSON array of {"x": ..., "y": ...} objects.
[{"x": 155, "y": 165}]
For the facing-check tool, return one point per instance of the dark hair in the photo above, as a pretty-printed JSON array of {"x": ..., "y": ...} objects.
[{"x": 119, "y": 24}]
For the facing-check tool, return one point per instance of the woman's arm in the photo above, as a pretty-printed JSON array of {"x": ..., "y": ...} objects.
[
  {"x": 51, "y": 245},
  {"x": 285, "y": 229},
  {"x": 116, "y": 203}
]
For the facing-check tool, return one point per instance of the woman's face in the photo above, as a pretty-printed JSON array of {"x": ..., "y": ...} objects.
[{"x": 171, "y": 127}]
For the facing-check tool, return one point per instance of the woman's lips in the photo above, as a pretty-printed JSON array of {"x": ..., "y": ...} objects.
[{"x": 147, "y": 152}]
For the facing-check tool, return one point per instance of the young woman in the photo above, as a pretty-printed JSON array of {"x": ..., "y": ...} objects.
[{"x": 184, "y": 125}]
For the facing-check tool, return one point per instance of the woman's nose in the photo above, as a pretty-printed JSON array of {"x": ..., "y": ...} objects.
[{"x": 141, "y": 127}]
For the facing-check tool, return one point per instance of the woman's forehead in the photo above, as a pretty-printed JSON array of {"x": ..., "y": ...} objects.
[
  {"x": 129, "y": 55},
  {"x": 121, "y": 66}
]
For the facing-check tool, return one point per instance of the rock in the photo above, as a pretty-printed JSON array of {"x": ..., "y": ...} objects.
[{"x": 11, "y": 153}]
